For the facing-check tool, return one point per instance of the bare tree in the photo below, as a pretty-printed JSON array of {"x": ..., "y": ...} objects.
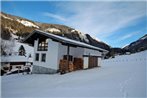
[{"x": 6, "y": 46}]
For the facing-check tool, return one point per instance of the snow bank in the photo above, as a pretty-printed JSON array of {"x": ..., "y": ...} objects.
[
  {"x": 110, "y": 80},
  {"x": 132, "y": 59},
  {"x": 52, "y": 30},
  {"x": 5, "y": 17},
  {"x": 81, "y": 35},
  {"x": 27, "y": 23}
]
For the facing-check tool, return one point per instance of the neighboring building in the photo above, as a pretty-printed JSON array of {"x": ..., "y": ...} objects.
[
  {"x": 50, "y": 49},
  {"x": 21, "y": 55}
]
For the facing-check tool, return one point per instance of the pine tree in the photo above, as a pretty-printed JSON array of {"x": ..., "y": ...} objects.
[{"x": 22, "y": 51}]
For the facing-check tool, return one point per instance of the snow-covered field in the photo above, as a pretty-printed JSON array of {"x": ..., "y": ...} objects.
[{"x": 117, "y": 81}]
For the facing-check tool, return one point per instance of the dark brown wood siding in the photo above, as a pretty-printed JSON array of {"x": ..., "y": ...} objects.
[
  {"x": 17, "y": 63},
  {"x": 93, "y": 62}
]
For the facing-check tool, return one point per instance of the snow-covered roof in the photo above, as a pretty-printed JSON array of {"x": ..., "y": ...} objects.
[
  {"x": 62, "y": 40},
  {"x": 16, "y": 58},
  {"x": 28, "y": 49}
]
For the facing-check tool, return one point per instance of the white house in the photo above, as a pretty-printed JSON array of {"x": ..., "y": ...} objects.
[{"x": 49, "y": 49}]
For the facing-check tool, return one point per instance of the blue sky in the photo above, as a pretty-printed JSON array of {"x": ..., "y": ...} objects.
[{"x": 115, "y": 23}]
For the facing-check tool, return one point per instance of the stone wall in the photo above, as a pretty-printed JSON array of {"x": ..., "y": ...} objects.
[{"x": 43, "y": 70}]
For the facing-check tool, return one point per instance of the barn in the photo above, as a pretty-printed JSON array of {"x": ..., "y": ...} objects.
[{"x": 53, "y": 53}]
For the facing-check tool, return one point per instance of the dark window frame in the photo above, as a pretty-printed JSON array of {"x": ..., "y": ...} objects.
[
  {"x": 37, "y": 57},
  {"x": 43, "y": 57},
  {"x": 42, "y": 45}
]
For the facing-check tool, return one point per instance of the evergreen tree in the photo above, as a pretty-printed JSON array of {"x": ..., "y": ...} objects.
[{"x": 22, "y": 51}]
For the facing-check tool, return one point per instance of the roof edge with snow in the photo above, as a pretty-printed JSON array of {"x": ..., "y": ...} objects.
[{"x": 38, "y": 33}]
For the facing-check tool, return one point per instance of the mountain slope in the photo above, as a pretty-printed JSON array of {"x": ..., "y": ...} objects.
[
  {"x": 14, "y": 25},
  {"x": 139, "y": 45}
]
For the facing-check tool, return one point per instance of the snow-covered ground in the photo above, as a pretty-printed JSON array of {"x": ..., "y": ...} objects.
[{"x": 116, "y": 80}]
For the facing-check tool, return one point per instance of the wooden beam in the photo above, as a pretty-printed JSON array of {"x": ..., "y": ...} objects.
[
  {"x": 92, "y": 56},
  {"x": 68, "y": 51},
  {"x": 65, "y": 44}
]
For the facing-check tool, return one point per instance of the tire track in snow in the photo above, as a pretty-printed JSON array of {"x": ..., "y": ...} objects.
[{"x": 123, "y": 86}]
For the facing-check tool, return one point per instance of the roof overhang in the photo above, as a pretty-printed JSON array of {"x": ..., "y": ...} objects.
[
  {"x": 92, "y": 56},
  {"x": 65, "y": 41}
]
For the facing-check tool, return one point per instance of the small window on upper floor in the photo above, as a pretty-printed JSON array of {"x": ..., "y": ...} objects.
[
  {"x": 43, "y": 57},
  {"x": 37, "y": 57},
  {"x": 43, "y": 45}
]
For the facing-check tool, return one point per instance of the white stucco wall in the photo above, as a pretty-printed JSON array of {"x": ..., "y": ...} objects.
[
  {"x": 56, "y": 51},
  {"x": 77, "y": 52},
  {"x": 51, "y": 55},
  {"x": 52, "y": 59},
  {"x": 99, "y": 61},
  {"x": 91, "y": 52},
  {"x": 74, "y": 51},
  {"x": 86, "y": 60},
  {"x": 62, "y": 50}
]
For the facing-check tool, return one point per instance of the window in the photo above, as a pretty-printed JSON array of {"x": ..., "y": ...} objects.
[
  {"x": 37, "y": 57},
  {"x": 43, "y": 45},
  {"x": 43, "y": 57}
]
